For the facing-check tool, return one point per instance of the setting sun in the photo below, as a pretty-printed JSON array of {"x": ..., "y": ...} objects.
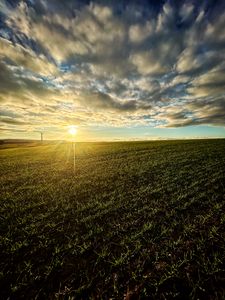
[{"x": 72, "y": 130}]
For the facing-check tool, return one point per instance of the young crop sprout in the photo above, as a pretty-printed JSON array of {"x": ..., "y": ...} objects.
[{"x": 72, "y": 130}]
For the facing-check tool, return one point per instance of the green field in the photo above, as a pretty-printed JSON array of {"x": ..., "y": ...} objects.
[{"x": 137, "y": 220}]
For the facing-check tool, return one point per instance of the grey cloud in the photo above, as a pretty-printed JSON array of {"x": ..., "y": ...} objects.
[
  {"x": 209, "y": 84},
  {"x": 6, "y": 129},
  {"x": 14, "y": 82},
  {"x": 8, "y": 82},
  {"x": 100, "y": 100},
  {"x": 9, "y": 113},
  {"x": 203, "y": 111},
  {"x": 12, "y": 121},
  {"x": 216, "y": 120}
]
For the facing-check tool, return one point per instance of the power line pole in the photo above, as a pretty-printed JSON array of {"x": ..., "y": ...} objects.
[
  {"x": 74, "y": 157},
  {"x": 42, "y": 136}
]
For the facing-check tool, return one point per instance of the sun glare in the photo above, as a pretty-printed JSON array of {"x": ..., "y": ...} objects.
[{"x": 72, "y": 130}]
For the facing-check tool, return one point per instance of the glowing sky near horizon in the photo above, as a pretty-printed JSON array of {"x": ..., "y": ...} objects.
[{"x": 117, "y": 70}]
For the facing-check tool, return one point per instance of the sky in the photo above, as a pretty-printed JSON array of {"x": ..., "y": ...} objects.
[{"x": 117, "y": 70}]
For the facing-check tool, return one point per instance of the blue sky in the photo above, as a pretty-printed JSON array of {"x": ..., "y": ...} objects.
[{"x": 118, "y": 70}]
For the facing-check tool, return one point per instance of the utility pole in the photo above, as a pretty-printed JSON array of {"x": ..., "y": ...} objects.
[
  {"x": 42, "y": 136},
  {"x": 74, "y": 157}
]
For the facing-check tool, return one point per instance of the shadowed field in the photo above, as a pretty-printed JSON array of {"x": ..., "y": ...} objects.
[{"x": 137, "y": 220}]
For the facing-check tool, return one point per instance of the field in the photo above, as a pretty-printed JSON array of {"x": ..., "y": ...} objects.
[{"x": 137, "y": 220}]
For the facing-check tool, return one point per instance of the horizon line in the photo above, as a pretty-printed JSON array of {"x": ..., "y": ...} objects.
[{"x": 108, "y": 141}]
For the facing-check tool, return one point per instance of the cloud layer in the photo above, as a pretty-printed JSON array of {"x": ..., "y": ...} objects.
[{"x": 104, "y": 63}]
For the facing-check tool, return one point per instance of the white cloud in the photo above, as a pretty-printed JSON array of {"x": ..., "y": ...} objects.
[
  {"x": 146, "y": 63},
  {"x": 25, "y": 57},
  {"x": 138, "y": 33}
]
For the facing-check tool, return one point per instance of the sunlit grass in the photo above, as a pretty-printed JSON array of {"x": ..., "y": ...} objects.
[{"x": 143, "y": 217}]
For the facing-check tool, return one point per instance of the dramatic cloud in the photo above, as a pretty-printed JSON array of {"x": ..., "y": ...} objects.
[{"x": 109, "y": 63}]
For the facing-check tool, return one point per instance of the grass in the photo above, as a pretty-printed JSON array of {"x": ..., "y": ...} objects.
[{"x": 138, "y": 220}]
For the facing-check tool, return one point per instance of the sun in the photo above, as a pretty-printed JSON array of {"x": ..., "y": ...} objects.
[{"x": 72, "y": 130}]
